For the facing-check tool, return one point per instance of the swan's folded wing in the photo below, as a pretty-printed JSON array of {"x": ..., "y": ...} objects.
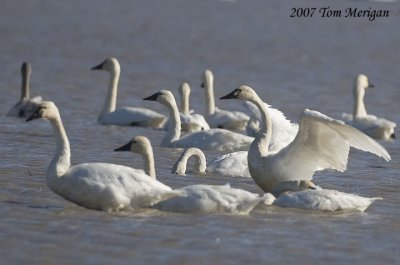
[{"x": 324, "y": 143}]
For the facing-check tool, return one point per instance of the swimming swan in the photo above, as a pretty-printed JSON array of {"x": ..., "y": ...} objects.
[
  {"x": 324, "y": 200},
  {"x": 197, "y": 198},
  {"x": 371, "y": 125},
  {"x": 190, "y": 122},
  {"x": 218, "y": 118},
  {"x": 216, "y": 139},
  {"x": 26, "y": 105},
  {"x": 232, "y": 164},
  {"x": 321, "y": 143},
  {"x": 128, "y": 116},
  {"x": 99, "y": 186}
]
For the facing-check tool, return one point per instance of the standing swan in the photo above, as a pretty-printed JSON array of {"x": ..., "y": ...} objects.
[
  {"x": 99, "y": 186},
  {"x": 197, "y": 198},
  {"x": 232, "y": 164},
  {"x": 128, "y": 116},
  {"x": 216, "y": 139},
  {"x": 26, "y": 105},
  {"x": 217, "y": 118},
  {"x": 321, "y": 143},
  {"x": 371, "y": 125}
]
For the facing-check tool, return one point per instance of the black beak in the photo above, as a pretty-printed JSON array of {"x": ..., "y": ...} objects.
[
  {"x": 98, "y": 67},
  {"x": 393, "y": 136},
  {"x": 153, "y": 97},
  {"x": 231, "y": 95},
  {"x": 371, "y": 85},
  {"x": 202, "y": 85},
  {"x": 125, "y": 147},
  {"x": 34, "y": 116}
]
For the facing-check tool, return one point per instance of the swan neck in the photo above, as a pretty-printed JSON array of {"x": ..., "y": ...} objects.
[
  {"x": 174, "y": 130},
  {"x": 185, "y": 102},
  {"x": 210, "y": 101},
  {"x": 25, "y": 85},
  {"x": 263, "y": 138},
  {"x": 62, "y": 158},
  {"x": 111, "y": 98},
  {"x": 359, "y": 110},
  {"x": 148, "y": 158},
  {"x": 200, "y": 162}
]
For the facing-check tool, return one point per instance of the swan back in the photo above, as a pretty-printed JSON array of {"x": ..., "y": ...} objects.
[{"x": 200, "y": 162}]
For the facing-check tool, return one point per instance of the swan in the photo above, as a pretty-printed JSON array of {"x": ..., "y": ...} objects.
[
  {"x": 26, "y": 105},
  {"x": 128, "y": 116},
  {"x": 371, "y": 125},
  {"x": 321, "y": 143},
  {"x": 232, "y": 164},
  {"x": 216, "y": 139},
  {"x": 218, "y": 118},
  {"x": 98, "y": 186},
  {"x": 190, "y": 122},
  {"x": 324, "y": 200},
  {"x": 198, "y": 198}
]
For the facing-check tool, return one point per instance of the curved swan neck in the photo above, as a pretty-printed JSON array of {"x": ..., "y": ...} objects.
[
  {"x": 263, "y": 138},
  {"x": 209, "y": 87},
  {"x": 174, "y": 131},
  {"x": 111, "y": 98},
  {"x": 358, "y": 97},
  {"x": 26, "y": 75},
  {"x": 200, "y": 162},
  {"x": 62, "y": 158},
  {"x": 185, "y": 93},
  {"x": 148, "y": 158}
]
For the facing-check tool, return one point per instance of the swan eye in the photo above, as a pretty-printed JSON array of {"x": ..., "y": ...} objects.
[{"x": 236, "y": 92}]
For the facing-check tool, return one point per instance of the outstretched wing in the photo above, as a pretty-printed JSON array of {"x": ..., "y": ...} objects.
[{"x": 323, "y": 143}]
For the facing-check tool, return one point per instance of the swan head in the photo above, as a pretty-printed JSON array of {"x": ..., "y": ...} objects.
[
  {"x": 138, "y": 144},
  {"x": 26, "y": 69},
  {"x": 46, "y": 110},
  {"x": 207, "y": 78},
  {"x": 243, "y": 93},
  {"x": 110, "y": 65},
  {"x": 164, "y": 97},
  {"x": 362, "y": 82},
  {"x": 184, "y": 89}
]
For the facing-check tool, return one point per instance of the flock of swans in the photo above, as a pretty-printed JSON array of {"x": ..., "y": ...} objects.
[{"x": 280, "y": 156}]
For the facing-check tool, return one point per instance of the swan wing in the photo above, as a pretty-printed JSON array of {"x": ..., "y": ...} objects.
[
  {"x": 322, "y": 143},
  {"x": 133, "y": 116}
]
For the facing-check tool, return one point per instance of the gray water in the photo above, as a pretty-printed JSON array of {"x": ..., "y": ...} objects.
[{"x": 293, "y": 63}]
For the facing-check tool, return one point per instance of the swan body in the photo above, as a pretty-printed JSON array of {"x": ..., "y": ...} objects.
[
  {"x": 232, "y": 164},
  {"x": 216, "y": 139},
  {"x": 321, "y": 143},
  {"x": 26, "y": 105},
  {"x": 211, "y": 199},
  {"x": 98, "y": 186},
  {"x": 324, "y": 200},
  {"x": 371, "y": 125},
  {"x": 126, "y": 116},
  {"x": 197, "y": 198},
  {"x": 218, "y": 118}
]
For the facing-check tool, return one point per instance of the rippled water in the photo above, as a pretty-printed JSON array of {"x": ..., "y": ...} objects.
[{"x": 292, "y": 62}]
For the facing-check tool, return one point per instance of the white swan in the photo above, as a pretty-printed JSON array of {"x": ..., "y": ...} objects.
[
  {"x": 218, "y": 118},
  {"x": 232, "y": 164},
  {"x": 324, "y": 200},
  {"x": 371, "y": 125},
  {"x": 128, "y": 116},
  {"x": 99, "y": 186},
  {"x": 26, "y": 105},
  {"x": 216, "y": 139},
  {"x": 212, "y": 199},
  {"x": 190, "y": 122},
  {"x": 321, "y": 143},
  {"x": 197, "y": 198}
]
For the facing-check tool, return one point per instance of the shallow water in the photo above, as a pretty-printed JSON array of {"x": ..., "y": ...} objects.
[{"x": 293, "y": 63}]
